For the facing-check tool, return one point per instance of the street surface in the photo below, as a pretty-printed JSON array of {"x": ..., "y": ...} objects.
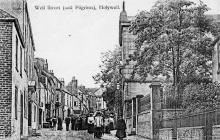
[{"x": 48, "y": 134}]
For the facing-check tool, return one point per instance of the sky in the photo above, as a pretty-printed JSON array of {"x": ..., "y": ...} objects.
[{"x": 72, "y": 40}]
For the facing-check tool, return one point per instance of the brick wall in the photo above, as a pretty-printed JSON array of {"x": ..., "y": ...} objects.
[{"x": 5, "y": 78}]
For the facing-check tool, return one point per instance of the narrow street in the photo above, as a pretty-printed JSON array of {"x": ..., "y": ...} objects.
[{"x": 48, "y": 134}]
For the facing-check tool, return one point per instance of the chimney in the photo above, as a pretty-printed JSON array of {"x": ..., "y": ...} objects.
[
  {"x": 62, "y": 81},
  {"x": 51, "y": 72},
  {"x": 46, "y": 65}
]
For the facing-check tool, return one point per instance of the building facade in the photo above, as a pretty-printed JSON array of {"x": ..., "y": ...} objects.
[
  {"x": 18, "y": 47},
  {"x": 138, "y": 101},
  {"x": 100, "y": 103}
]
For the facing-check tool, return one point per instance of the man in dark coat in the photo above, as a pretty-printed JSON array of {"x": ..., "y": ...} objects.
[
  {"x": 54, "y": 120},
  {"x": 59, "y": 127},
  {"x": 90, "y": 121},
  {"x": 121, "y": 127},
  {"x": 77, "y": 123},
  {"x": 67, "y": 121},
  {"x": 73, "y": 120}
]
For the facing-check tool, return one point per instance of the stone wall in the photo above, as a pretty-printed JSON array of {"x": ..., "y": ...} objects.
[
  {"x": 129, "y": 124},
  {"x": 190, "y": 133},
  {"x": 216, "y": 132},
  {"x": 144, "y": 127},
  {"x": 184, "y": 133},
  {"x": 165, "y": 134}
]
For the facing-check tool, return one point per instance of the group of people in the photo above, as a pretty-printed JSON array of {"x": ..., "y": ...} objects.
[
  {"x": 99, "y": 124},
  {"x": 72, "y": 123},
  {"x": 96, "y": 124}
]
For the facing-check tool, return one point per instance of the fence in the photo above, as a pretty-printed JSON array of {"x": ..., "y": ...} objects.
[
  {"x": 144, "y": 104},
  {"x": 206, "y": 120},
  {"x": 129, "y": 109}
]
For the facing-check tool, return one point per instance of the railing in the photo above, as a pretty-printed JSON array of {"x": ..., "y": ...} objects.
[
  {"x": 144, "y": 104},
  {"x": 193, "y": 120},
  {"x": 129, "y": 109}
]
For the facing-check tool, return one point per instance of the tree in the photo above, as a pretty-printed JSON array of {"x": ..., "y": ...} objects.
[
  {"x": 198, "y": 97},
  {"x": 173, "y": 40},
  {"x": 109, "y": 74}
]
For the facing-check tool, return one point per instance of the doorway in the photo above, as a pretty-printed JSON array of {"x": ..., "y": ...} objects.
[{"x": 21, "y": 115}]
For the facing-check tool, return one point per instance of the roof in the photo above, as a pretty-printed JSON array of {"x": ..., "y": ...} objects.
[
  {"x": 5, "y": 15},
  {"x": 99, "y": 92}
]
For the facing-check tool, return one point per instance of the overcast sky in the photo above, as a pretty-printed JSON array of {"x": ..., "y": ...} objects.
[{"x": 72, "y": 40}]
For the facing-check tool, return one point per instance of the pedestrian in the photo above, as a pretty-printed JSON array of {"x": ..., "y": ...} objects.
[
  {"x": 77, "y": 124},
  {"x": 111, "y": 122},
  {"x": 120, "y": 127},
  {"x": 73, "y": 120},
  {"x": 98, "y": 123},
  {"x": 67, "y": 121},
  {"x": 54, "y": 120},
  {"x": 90, "y": 123},
  {"x": 80, "y": 122},
  {"x": 50, "y": 123},
  {"x": 59, "y": 127},
  {"x": 106, "y": 125}
]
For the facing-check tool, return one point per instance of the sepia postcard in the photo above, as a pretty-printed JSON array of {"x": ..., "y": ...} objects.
[{"x": 109, "y": 69}]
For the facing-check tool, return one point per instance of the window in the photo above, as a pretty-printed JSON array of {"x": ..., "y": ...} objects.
[
  {"x": 16, "y": 102},
  {"x": 26, "y": 60},
  {"x": 21, "y": 60},
  {"x": 25, "y": 104},
  {"x": 16, "y": 57},
  {"x": 218, "y": 54},
  {"x": 25, "y": 68},
  {"x": 75, "y": 103}
]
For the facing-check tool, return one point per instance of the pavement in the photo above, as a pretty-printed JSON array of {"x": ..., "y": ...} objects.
[{"x": 49, "y": 134}]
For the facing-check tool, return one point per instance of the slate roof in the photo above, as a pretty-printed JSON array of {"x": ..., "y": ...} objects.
[{"x": 5, "y": 15}]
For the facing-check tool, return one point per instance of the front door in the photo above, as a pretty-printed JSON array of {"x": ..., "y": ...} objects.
[
  {"x": 21, "y": 117},
  {"x": 134, "y": 112},
  {"x": 40, "y": 117}
]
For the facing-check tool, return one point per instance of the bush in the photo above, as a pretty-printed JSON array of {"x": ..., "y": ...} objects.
[{"x": 199, "y": 97}]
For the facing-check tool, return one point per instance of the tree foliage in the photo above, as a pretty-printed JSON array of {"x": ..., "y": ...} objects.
[
  {"x": 198, "y": 97},
  {"x": 173, "y": 40},
  {"x": 109, "y": 73}
]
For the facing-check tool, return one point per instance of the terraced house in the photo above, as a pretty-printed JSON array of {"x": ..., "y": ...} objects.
[{"x": 16, "y": 56}]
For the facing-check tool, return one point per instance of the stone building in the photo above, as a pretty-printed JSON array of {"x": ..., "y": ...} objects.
[
  {"x": 100, "y": 103},
  {"x": 17, "y": 51},
  {"x": 216, "y": 53},
  {"x": 72, "y": 88},
  {"x": 137, "y": 100},
  {"x": 49, "y": 92},
  {"x": 91, "y": 99}
]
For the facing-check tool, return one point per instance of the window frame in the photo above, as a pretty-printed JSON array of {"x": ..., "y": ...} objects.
[
  {"x": 16, "y": 103},
  {"x": 16, "y": 53},
  {"x": 21, "y": 60}
]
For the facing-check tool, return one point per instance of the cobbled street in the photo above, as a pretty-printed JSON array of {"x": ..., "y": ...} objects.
[{"x": 48, "y": 134}]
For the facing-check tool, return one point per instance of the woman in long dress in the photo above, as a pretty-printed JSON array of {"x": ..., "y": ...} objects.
[
  {"x": 98, "y": 125},
  {"x": 90, "y": 124},
  {"x": 121, "y": 127}
]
